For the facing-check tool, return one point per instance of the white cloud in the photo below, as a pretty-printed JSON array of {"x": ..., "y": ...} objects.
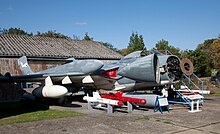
[
  {"x": 6, "y": 10},
  {"x": 81, "y": 23},
  {"x": 9, "y": 9}
]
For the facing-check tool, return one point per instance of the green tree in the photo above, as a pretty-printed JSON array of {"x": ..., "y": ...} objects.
[
  {"x": 164, "y": 45},
  {"x": 110, "y": 46},
  {"x": 123, "y": 51},
  {"x": 136, "y": 43},
  {"x": 52, "y": 33},
  {"x": 15, "y": 31},
  {"x": 215, "y": 49},
  {"x": 212, "y": 48},
  {"x": 86, "y": 37},
  {"x": 201, "y": 63},
  {"x": 75, "y": 37},
  {"x": 185, "y": 53}
]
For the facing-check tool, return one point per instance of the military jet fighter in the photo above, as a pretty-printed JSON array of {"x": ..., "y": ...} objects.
[
  {"x": 133, "y": 72},
  {"x": 88, "y": 74},
  {"x": 141, "y": 71},
  {"x": 57, "y": 82}
]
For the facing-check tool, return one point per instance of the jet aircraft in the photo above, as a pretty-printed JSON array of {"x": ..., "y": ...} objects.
[
  {"x": 136, "y": 71},
  {"x": 141, "y": 71},
  {"x": 57, "y": 82}
]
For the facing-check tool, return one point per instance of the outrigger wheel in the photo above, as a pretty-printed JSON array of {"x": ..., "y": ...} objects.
[{"x": 186, "y": 66}]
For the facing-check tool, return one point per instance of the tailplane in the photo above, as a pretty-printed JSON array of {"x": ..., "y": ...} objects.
[{"x": 23, "y": 64}]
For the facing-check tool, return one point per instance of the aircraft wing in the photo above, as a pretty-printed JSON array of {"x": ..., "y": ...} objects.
[
  {"x": 22, "y": 78},
  {"x": 42, "y": 77}
]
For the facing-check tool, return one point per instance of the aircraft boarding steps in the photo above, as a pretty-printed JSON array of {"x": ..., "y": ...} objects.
[
  {"x": 188, "y": 97},
  {"x": 193, "y": 99}
]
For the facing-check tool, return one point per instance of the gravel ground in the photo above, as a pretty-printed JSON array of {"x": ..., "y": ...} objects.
[{"x": 96, "y": 121}]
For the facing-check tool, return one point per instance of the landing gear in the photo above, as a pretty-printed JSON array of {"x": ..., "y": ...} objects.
[
  {"x": 89, "y": 91},
  {"x": 63, "y": 101}
]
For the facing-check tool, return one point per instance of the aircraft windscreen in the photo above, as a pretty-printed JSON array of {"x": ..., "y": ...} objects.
[{"x": 135, "y": 54}]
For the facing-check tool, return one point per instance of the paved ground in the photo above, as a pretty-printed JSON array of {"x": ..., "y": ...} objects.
[{"x": 178, "y": 121}]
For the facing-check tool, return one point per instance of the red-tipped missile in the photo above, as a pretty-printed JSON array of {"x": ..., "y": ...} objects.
[
  {"x": 118, "y": 96},
  {"x": 198, "y": 91}
]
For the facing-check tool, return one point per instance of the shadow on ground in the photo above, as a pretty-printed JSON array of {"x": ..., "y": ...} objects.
[{"x": 8, "y": 109}]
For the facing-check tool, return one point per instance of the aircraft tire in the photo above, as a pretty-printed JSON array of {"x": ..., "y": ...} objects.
[{"x": 63, "y": 101}]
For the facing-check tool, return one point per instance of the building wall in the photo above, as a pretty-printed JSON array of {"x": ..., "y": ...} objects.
[
  {"x": 9, "y": 92},
  {"x": 11, "y": 65}
]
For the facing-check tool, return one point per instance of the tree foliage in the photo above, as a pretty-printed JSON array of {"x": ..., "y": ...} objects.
[
  {"x": 16, "y": 31},
  {"x": 201, "y": 62},
  {"x": 136, "y": 43},
  {"x": 205, "y": 57},
  {"x": 52, "y": 33},
  {"x": 19, "y": 31},
  {"x": 86, "y": 37},
  {"x": 215, "y": 48},
  {"x": 164, "y": 45},
  {"x": 124, "y": 51},
  {"x": 212, "y": 48},
  {"x": 110, "y": 46}
]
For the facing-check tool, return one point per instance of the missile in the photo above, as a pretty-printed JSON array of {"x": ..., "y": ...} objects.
[
  {"x": 118, "y": 96},
  {"x": 197, "y": 91},
  {"x": 149, "y": 98},
  {"x": 97, "y": 98}
]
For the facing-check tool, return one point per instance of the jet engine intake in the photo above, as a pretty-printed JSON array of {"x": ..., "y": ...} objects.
[{"x": 171, "y": 68}]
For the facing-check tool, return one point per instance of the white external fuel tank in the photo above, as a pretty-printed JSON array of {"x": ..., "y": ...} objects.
[{"x": 53, "y": 91}]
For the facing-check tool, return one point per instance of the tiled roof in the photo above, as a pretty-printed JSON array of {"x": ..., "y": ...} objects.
[{"x": 35, "y": 46}]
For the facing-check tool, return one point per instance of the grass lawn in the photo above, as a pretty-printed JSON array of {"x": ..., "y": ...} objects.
[{"x": 14, "y": 113}]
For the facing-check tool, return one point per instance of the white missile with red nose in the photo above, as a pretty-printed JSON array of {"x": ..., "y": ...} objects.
[
  {"x": 97, "y": 98},
  {"x": 197, "y": 91}
]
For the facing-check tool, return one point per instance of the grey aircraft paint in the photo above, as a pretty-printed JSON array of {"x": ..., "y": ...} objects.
[
  {"x": 75, "y": 72},
  {"x": 140, "y": 71}
]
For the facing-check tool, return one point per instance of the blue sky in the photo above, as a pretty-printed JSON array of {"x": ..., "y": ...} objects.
[{"x": 184, "y": 23}]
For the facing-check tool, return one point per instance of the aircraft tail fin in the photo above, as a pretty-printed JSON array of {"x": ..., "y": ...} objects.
[{"x": 23, "y": 64}]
